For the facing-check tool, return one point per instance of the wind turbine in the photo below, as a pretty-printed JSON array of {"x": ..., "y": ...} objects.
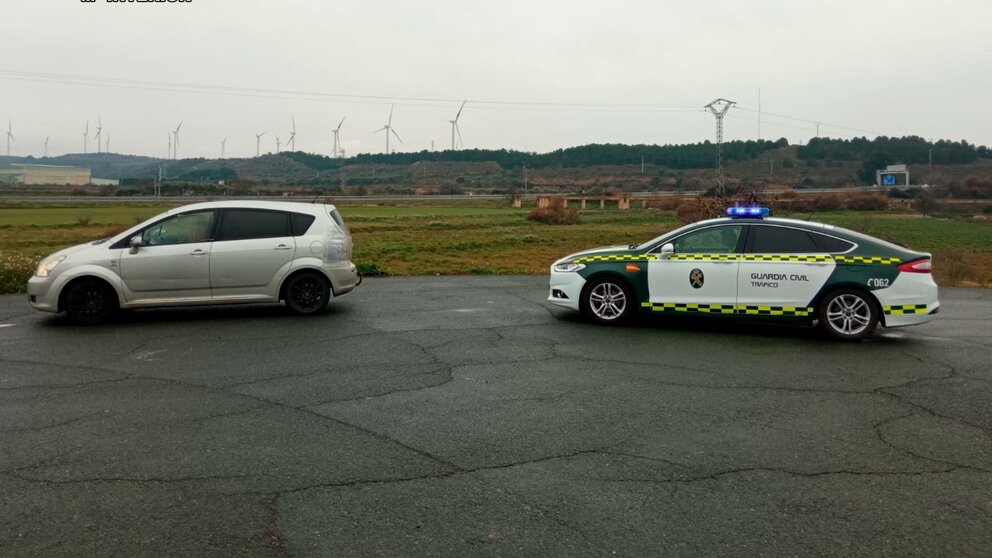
[
  {"x": 454, "y": 128},
  {"x": 175, "y": 148},
  {"x": 10, "y": 136},
  {"x": 99, "y": 131},
  {"x": 223, "y": 148},
  {"x": 292, "y": 136},
  {"x": 46, "y": 147},
  {"x": 86, "y": 137},
  {"x": 277, "y": 144},
  {"x": 258, "y": 143},
  {"x": 107, "y": 150},
  {"x": 170, "y": 146},
  {"x": 337, "y": 152},
  {"x": 389, "y": 129}
]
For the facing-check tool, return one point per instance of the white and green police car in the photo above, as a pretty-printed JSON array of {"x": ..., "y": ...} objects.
[{"x": 752, "y": 265}]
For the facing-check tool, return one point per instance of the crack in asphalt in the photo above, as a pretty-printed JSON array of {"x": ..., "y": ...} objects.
[
  {"x": 49, "y": 426},
  {"x": 129, "y": 480},
  {"x": 447, "y": 374},
  {"x": 719, "y": 474},
  {"x": 878, "y": 432}
]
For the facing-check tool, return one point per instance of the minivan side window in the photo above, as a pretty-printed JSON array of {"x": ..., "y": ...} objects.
[
  {"x": 243, "y": 224},
  {"x": 185, "y": 228},
  {"x": 780, "y": 240}
]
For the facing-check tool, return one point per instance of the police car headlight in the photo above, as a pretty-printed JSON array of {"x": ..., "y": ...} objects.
[
  {"x": 568, "y": 267},
  {"x": 46, "y": 265}
]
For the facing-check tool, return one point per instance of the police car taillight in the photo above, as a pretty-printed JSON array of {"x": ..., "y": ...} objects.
[{"x": 918, "y": 266}]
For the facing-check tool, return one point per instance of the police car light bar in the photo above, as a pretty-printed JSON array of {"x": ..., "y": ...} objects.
[{"x": 747, "y": 211}]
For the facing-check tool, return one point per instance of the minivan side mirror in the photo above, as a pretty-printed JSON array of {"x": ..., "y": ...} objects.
[
  {"x": 135, "y": 243},
  {"x": 667, "y": 250}
]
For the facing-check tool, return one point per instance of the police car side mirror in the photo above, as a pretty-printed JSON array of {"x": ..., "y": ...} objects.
[
  {"x": 667, "y": 250},
  {"x": 135, "y": 243}
]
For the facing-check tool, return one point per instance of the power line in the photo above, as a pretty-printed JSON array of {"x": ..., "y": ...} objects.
[
  {"x": 808, "y": 121},
  {"x": 342, "y": 97}
]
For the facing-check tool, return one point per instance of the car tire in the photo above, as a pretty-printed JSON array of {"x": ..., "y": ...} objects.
[
  {"x": 90, "y": 302},
  {"x": 307, "y": 293},
  {"x": 848, "y": 314},
  {"x": 608, "y": 300}
]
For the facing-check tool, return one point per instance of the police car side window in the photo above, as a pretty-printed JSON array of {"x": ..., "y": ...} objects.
[
  {"x": 780, "y": 240},
  {"x": 831, "y": 244},
  {"x": 713, "y": 240}
]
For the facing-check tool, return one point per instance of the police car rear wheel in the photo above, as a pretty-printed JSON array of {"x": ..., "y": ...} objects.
[
  {"x": 849, "y": 314},
  {"x": 608, "y": 301}
]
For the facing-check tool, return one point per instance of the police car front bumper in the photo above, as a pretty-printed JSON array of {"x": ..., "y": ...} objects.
[{"x": 565, "y": 289}]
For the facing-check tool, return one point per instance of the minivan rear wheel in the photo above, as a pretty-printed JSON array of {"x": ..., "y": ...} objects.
[
  {"x": 307, "y": 293},
  {"x": 90, "y": 302}
]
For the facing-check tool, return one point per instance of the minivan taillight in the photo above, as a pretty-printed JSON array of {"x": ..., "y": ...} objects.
[{"x": 917, "y": 266}]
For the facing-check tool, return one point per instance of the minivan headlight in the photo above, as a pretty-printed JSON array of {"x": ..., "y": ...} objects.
[
  {"x": 46, "y": 265},
  {"x": 568, "y": 267}
]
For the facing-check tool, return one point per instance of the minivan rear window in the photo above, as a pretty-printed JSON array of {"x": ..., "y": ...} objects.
[
  {"x": 301, "y": 223},
  {"x": 337, "y": 219},
  {"x": 242, "y": 224}
]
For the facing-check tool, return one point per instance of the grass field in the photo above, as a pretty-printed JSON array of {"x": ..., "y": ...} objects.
[{"x": 485, "y": 238}]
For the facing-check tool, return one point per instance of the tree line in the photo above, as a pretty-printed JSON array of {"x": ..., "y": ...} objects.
[
  {"x": 910, "y": 150},
  {"x": 685, "y": 156}
]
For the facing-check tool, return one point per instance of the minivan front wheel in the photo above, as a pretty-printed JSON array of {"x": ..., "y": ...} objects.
[
  {"x": 307, "y": 293},
  {"x": 90, "y": 302}
]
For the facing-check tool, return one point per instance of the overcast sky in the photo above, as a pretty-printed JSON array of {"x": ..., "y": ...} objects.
[{"x": 632, "y": 71}]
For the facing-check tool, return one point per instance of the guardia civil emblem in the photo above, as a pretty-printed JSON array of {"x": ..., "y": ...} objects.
[{"x": 696, "y": 278}]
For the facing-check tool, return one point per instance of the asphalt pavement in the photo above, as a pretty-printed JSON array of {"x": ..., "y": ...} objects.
[{"x": 464, "y": 416}]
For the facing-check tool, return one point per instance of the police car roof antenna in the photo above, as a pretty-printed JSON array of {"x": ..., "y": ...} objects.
[{"x": 719, "y": 109}]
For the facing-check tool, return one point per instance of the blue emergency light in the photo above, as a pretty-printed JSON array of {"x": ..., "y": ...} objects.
[{"x": 748, "y": 211}]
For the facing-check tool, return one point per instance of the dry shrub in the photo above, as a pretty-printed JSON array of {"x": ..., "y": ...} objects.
[
  {"x": 868, "y": 202},
  {"x": 952, "y": 267},
  {"x": 667, "y": 203},
  {"x": 700, "y": 208},
  {"x": 802, "y": 204},
  {"x": 554, "y": 214},
  {"x": 828, "y": 203},
  {"x": 114, "y": 231}
]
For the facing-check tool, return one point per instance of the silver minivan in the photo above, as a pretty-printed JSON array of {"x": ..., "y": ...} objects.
[{"x": 230, "y": 252}]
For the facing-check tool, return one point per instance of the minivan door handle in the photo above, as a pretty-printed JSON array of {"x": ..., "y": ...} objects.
[
  {"x": 283, "y": 247},
  {"x": 198, "y": 252}
]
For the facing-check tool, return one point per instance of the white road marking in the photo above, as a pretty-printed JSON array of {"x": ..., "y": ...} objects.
[
  {"x": 147, "y": 355},
  {"x": 7, "y": 325}
]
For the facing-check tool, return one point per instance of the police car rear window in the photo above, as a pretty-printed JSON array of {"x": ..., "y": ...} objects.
[
  {"x": 780, "y": 240},
  {"x": 831, "y": 244}
]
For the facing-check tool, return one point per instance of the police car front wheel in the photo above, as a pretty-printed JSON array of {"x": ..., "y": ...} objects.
[
  {"x": 848, "y": 314},
  {"x": 608, "y": 301}
]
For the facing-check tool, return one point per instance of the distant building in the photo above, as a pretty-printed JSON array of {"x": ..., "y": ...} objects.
[{"x": 44, "y": 174}]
